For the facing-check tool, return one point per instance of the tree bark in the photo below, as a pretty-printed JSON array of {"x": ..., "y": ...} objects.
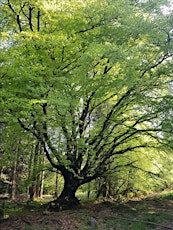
[
  {"x": 42, "y": 184},
  {"x": 67, "y": 198},
  {"x": 15, "y": 171},
  {"x": 13, "y": 187},
  {"x": 33, "y": 172}
]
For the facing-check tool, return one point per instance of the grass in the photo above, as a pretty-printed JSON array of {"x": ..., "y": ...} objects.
[
  {"x": 141, "y": 217},
  {"x": 164, "y": 195},
  {"x": 146, "y": 214}
]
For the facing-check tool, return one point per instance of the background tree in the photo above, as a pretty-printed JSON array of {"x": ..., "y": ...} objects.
[{"x": 87, "y": 79}]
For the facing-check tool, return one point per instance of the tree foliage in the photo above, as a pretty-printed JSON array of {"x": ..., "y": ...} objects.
[{"x": 90, "y": 80}]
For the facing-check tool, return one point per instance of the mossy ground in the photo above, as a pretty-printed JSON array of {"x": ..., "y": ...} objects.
[{"x": 146, "y": 214}]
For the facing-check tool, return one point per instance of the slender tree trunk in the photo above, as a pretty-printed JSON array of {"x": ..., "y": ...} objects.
[
  {"x": 38, "y": 161},
  {"x": 36, "y": 178},
  {"x": 40, "y": 164},
  {"x": 89, "y": 190},
  {"x": 1, "y": 171},
  {"x": 14, "y": 172},
  {"x": 56, "y": 184},
  {"x": 13, "y": 186},
  {"x": 33, "y": 171},
  {"x": 30, "y": 170},
  {"x": 42, "y": 184},
  {"x": 37, "y": 185}
]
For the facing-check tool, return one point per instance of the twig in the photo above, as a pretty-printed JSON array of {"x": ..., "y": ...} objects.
[{"x": 146, "y": 222}]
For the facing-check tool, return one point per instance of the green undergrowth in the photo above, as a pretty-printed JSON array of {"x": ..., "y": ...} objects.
[
  {"x": 15, "y": 209},
  {"x": 138, "y": 221},
  {"x": 164, "y": 195},
  {"x": 150, "y": 213}
]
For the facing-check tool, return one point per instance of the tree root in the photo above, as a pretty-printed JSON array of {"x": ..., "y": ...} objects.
[{"x": 63, "y": 204}]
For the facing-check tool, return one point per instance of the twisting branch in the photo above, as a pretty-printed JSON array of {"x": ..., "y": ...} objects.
[
  {"x": 38, "y": 20},
  {"x": 22, "y": 10},
  {"x": 17, "y": 15},
  {"x": 120, "y": 152},
  {"x": 30, "y": 18},
  {"x": 84, "y": 113},
  {"x": 160, "y": 61},
  {"x": 108, "y": 117},
  {"x": 106, "y": 69},
  {"x": 18, "y": 22},
  {"x": 40, "y": 139},
  {"x": 10, "y": 6}
]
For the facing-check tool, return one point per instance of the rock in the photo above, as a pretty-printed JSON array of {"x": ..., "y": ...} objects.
[
  {"x": 92, "y": 222},
  {"x": 46, "y": 212}
]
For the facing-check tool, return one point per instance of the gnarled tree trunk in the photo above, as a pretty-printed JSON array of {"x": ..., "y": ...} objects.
[{"x": 67, "y": 198}]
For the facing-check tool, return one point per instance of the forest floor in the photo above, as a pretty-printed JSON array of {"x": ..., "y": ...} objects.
[{"x": 149, "y": 213}]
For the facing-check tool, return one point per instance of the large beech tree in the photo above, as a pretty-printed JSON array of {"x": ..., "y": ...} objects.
[{"x": 88, "y": 79}]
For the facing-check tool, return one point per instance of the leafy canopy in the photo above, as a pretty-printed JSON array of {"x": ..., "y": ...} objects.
[{"x": 88, "y": 79}]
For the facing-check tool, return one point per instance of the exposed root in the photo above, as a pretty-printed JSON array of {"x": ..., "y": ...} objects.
[{"x": 63, "y": 204}]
